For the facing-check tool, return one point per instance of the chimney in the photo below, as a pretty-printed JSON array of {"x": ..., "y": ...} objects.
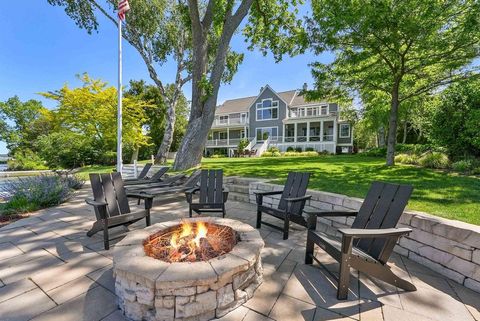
[
  {"x": 261, "y": 88},
  {"x": 305, "y": 86}
]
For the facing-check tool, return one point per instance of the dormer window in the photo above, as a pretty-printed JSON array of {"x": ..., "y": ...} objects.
[{"x": 267, "y": 109}]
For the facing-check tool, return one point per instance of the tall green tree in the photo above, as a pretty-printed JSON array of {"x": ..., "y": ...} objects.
[
  {"x": 156, "y": 117},
  {"x": 159, "y": 31},
  {"x": 271, "y": 26},
  {"x": 455, "y": 124},
  {"x": 22, "y": 122},
  {"x": 401, "y": 48}
]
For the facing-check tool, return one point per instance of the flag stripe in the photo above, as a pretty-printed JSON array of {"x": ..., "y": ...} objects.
[{"x": 123, "y": 7}]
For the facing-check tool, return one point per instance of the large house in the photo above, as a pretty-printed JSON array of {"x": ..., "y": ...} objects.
[{"x": 283, "y": 119}]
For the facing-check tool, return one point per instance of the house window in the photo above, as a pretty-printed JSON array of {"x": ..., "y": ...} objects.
[
  {"x": 223, "y": 135},
  {"x": 266, "y": 132},
  {"x": 223, "y": 119},
  {"x": 344, "y": 130},
  {"x": 324, "y": 110},
  {"x": 267, "y": 109}
]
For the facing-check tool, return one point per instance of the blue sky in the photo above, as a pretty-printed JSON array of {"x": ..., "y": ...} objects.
[{"x": 42, "y": 49}]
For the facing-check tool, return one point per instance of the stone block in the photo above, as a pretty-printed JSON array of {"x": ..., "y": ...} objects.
[
  {"x": 352, "y": 203},
  {"x": 441, "y": 243},
  {"x": 185, "y": 291},
  {"x": 451, "y": 274},
  {"x": 145, "y": 295},
  {"x": 472, "y": 284},
  {"x": 400, "y": 250},
  {"x": 476, "y": 256},
  {"x": 242, "y": 279},
  {"x": 225, "y": 296},
  {"x": 174, "y": 275},
  {"x": 165, "y": 314},
  {"x": 203, "y": 303}
]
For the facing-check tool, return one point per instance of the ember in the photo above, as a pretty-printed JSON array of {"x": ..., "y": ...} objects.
[{"x": 191, "y": 242}]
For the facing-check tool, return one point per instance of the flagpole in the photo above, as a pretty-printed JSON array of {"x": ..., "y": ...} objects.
[{"x": 119, "y": 107}]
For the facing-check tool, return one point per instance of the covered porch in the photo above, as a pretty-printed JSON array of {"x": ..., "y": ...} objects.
[{"x": 310, "y": 131}]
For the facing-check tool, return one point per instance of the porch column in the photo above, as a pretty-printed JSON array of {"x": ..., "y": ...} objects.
[
  {"x": 321, "y": 131},
  {"x": 334, "y": 131},
  {"x": 228, "y": 136},
  {"x": 295, "y": 132},
  {"x": 284, "y": 133},
  {"x": 308, "y": 131}
]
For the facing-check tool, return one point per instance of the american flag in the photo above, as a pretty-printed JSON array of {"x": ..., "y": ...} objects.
[{"x": 123, "y": 7}]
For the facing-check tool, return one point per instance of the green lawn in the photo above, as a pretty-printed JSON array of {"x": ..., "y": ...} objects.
[{"x": 443, "y": 194}]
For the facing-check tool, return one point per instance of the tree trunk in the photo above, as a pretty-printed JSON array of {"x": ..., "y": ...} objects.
[
  {"x": 392, "y": 126},
  {"x": 134, "y": 155},
  {"x": 405, "y": 132},
  {"x": 161, "y": 157},
  {"x": 381, "y": 137}
]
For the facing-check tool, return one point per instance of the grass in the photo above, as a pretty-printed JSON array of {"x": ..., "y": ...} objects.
[{"x": 440, "y": 193}]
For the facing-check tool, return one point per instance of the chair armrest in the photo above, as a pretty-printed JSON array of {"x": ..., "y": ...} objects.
[
  {"x": 226, "y": 190},
  {"x": 373, "y": 233},
  {"x": 192, "y": 190},
  {"x": 139, "y": 194},
  {"x": 268, "y": 193},
  {"x": 92, "y": 202},
  {"x": 298, "y": 199},
  {"x": 330, "y": 213}
]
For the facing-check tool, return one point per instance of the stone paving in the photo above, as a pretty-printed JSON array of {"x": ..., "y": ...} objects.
[{"x": 50, "y": 270}]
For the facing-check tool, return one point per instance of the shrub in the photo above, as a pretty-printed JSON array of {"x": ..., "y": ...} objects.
[
  {"x": 271, "y": 154},
  {"x": 218, "y": 156},
  {"x": 434, "y": 160},
  {"x": 242, "y": 145},
  {"x": 323, "y": 152},
  {"x": 376, "y": 152},
  {"x": 26, "y": 160},
  {"x": 463, "y": 166},
  {"x": 290, "y": 149},
  {"x": 33, "y": 193},
  {"x": 74, "y": 181},
  {"x": 298, "y": 149},
  {"x": 416, "y": 149},
  {"x": 407, "y": 159},
  {"x": 297, "y": 154},
  {"x": 273, "y": 149},
  {"x": 309, "y": 149}
]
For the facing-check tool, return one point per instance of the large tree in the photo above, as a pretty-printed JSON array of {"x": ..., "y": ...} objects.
[
  {"x": 271, "y": 26},
  {"x": 157, "y": 30},
  {"x": 403, "y": 49}
]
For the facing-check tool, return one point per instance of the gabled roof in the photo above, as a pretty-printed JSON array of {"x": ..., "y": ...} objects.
[{"x": 241, "y": 105}]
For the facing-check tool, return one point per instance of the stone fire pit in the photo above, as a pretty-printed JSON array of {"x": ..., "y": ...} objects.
[{"x": 152, "y": 289}]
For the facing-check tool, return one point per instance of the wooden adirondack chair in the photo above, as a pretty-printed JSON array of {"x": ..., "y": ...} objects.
[
  {"x": 213, "y": 195},
  {"x": 143, "y": 173},
  {"x": 366, "y": 246},
  {"x": 291, "y": 203},
  {"x": 157, "y": 177},
  {"x": 111, "y": 204}
]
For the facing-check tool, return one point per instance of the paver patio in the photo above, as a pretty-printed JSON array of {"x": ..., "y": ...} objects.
[{"x": 50, "y": 270}]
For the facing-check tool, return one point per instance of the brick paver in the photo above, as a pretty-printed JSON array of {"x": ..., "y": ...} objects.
[{"x": 49, "y": 270}]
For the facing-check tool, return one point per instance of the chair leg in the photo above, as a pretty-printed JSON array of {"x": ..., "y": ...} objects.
[
  {"x": 106, "y": 242},
  {"x": 190, "y": 211},
  {"x": 286, "y": 227},
  {"x": 259, "y": 218},
  {"x": 138, "y": 202},
  {"x": 344, "y": 279},
  {"x": 147, "y": 219},
  {"x": 97, "y": 227},
  {"x": 223, "y": 211},
  {"x": 309, "y": 250}
]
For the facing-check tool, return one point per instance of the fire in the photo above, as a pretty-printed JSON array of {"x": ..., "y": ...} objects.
[{"x": 190, "y": 242}]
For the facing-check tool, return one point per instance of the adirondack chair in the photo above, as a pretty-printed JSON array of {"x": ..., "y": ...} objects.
[
  {"x": 142, "y": 174},
  {"x": 111, "y": 204},
  {"x": 157, "y": 177},
  {"x": 368, "y": 245},
  {"x": 213, "y": 195},
  {"x": 291, "y": 204}
]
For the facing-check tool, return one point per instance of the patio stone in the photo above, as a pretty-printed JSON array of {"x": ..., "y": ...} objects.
[
  {"x": 104, "y": 277},
  {"x": 8, "y": 250},
  {"x": 16, "y": 288},
  {"x": 290, "y": 309},
  {"x": 25, "y": 306},
  {"x": 71, "y": 289},
  {"x": 95, "y": 304},
  {"x": 254, "y": 316},
  {"x": 17, "y": 272}
]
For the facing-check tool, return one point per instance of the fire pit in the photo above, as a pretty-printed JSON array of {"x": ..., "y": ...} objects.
[{"x": 194, "y": 269}]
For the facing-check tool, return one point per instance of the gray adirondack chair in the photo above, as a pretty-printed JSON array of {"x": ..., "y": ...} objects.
[
  {"x": 155, "y": 178},
  {"x": 111, "y": 206},
  {"x": 212, "y": 195},
  {"x": 291, "y": 203},
  {"x": 143, "y": 173},
  {"x": 368, "y": 244}
]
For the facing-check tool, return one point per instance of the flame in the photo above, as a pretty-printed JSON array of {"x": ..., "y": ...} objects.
[{"x": 186, "y": 232}]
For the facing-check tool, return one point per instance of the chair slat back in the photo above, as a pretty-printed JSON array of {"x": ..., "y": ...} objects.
[
  {"x": 211, "y": 186},
  {"x": 109, "y": 188},
  {"x": 144, "y": 171},
  {"x": 382, "y": 208},
  {"x": 192, "y": 180},
  {"x": 159, "y": 173},
  {"x": 295, "y": 186}
]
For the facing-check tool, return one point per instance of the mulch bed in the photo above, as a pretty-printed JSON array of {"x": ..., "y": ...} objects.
[{"x": 7, "y": 219}]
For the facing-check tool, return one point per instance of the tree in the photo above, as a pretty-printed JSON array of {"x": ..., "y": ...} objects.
[
  {"x": 90, "y": 111},
  {"x": 21, "y": 122},
  {"x": 403, "y": 49},
  {"x": 456, "y": 119},
  {"x": 271, "y": 26},
  {"x": 157, "y": 30},
  {"x": 156, "y": 117}
]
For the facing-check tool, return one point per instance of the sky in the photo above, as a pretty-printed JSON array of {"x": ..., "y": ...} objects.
[{"x": 42, "y": 49}]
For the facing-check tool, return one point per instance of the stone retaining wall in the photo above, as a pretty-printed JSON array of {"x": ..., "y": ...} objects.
[{"x": 451, "y": 248}]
